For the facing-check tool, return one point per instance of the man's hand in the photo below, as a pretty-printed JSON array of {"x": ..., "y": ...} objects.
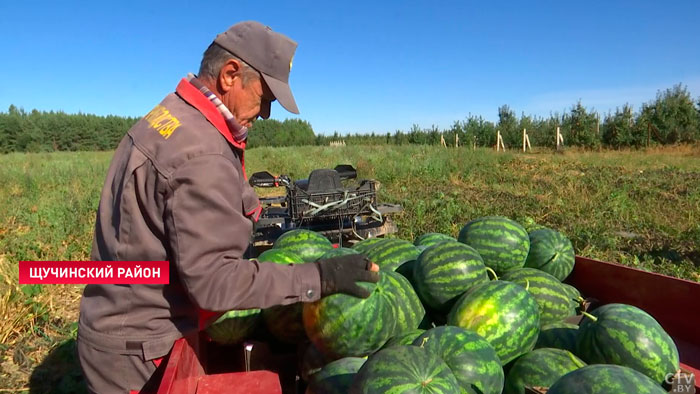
[{"x": 339, "y": 274}]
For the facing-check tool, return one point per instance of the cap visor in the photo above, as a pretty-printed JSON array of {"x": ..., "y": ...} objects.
[{"x": 282, "y": 93}]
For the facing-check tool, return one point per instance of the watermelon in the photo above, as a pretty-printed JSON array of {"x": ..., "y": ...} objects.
[
  {"x": 502, "y": 312},
  {"x": 404, "y": 369},
  {"x": 605, "y": 379},
  {"x": 336, "y": 252},
  {"x": 280, "y": 256},
  {"x": 306, "y": 243},
  {"x": 234, "y": 326},
  {"x": 284, "y": 322},
  {"x": 552, "y": 299},
  {"x": 366, "y": 244},
  {"x": 409, "y": 312},
  {"x": 530, "y": 224},
  {"x": 559, "y": 335},
  {"x": 470, "y": 357},
  {"x": 429, "y": 239},
  {"x": 541, "y": 368},
  {"x": 406, "y": 269},
  {"x": 405, "y": 338},
  {"x": 573, "y": 294},
  {"x": 390, "y": 253},
  {"x": 551, "y": 252},
  {"x": 341, "y": 325},
  {"x": 626, "y": 335},
  {"x": 312, "y": 361},
  {"x": 335, "y": 377},
  {"x": 501, "y": 242},
  {"x": 445, "y": 271}
]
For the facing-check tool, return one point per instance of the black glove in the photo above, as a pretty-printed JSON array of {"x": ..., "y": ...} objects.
[{"x": 339, "y": 274}]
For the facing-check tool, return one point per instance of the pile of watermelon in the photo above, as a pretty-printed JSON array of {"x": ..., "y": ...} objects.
[{"x": 484, "y": 312}]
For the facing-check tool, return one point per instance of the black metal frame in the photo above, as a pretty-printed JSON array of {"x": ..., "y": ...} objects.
[{"x": 343, "y": 214}]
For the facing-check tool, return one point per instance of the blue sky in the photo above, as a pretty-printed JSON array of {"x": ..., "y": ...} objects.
[{"x": 360, "y": 66}]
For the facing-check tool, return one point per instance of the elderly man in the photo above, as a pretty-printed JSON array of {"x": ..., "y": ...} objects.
[{"x": 176, "y": 190}]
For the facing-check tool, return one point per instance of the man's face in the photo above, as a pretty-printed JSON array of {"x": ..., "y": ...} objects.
[{"x": 250, "y": 100}]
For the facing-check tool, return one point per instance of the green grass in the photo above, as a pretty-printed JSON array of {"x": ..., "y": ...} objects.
[{"x": 637, "y": 208}]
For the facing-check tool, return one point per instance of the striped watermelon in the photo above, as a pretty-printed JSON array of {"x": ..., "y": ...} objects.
[
  {"x": 552, "y": 299},
  {"x": 626, "y": 335},
  {"x": 605, "y": 379},
  {"x": 336, "y": 252},
  {"x": 341, "y": 325},
  {"x": 284, "y": 322},
  {"x": 501, "y": 242},
  {"x": 409, "y": 312},
  {"x": 404, "y": 369},
  {"x": 541, "y": 368},
  {"x": 529, "y": 224},
  {"x": 406, "y": 269},
  {"x": 306, "y": 243},
  {"x": 573, "y": 294},
  {"x": 335, "y": 377},
  {"x": 559, "y": 335},
  {"x": 280, "y": 256},
  {"x": 405, "y": 338},
  {"x": 429, "y": 239},
  {"x": 445, "y": 271},
  {"x": 575, "y": 298},
  {"x": 571, "y": 291},
  {"x": 312, "y": 361},
  {"x": 390, "y": 253},
  {"x": 366, "y": 244},
  {"x": 504, "y": 313},
  {"x": 470, "y": 357},
  {"x": 234, "y": 326},
  {"x": 551, "y": 252}
]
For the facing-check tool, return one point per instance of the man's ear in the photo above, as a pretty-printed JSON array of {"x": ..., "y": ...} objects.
[{"x": 227, "y": 74}]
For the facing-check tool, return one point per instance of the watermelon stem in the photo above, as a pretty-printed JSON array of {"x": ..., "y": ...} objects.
[
  {"x": 492, "y": 272},
  {"x": 423, "y": 342},
  {"x": 576, "y": 360},
  {"x": 588, "y": 315}
]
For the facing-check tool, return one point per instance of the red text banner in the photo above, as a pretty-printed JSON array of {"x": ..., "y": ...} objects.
[{"x": 93, "y": 272}]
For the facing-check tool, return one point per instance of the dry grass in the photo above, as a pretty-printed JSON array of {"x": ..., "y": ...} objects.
[{"x": 33, "y": 321}]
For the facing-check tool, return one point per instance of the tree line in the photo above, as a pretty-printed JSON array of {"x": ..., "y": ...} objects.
[{"x": 672, "y": 117}]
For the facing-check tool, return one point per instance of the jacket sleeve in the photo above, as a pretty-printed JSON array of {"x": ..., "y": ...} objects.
[{"x": 208, "y": 233}]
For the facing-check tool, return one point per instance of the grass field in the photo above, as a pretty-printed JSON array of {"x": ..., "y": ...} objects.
[{"x": 637, "y": 208}]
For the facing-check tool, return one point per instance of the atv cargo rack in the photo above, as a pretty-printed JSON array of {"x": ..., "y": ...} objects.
[
  {"x": 330, "y": 202},
  {"x": 333, "y": 204}
]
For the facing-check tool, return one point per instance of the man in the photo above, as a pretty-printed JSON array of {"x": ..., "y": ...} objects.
[{"x": 176, "y": 190}]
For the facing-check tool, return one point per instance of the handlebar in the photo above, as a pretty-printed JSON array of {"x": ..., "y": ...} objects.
[{"x": 265, "y": 179}]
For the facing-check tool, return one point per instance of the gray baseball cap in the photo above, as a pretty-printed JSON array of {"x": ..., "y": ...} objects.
[{"x": 268, "y": 52}]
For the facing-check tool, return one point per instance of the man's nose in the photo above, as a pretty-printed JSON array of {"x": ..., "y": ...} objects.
[{"x": 265, "y": 109}]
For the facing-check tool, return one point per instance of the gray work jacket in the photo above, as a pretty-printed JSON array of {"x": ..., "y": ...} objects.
[{"x": 176, "y": 190}]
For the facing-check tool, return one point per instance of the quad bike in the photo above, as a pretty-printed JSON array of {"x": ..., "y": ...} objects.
[{"x": 331, "y": 202}]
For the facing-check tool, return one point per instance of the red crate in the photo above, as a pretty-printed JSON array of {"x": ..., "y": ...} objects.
[
  {"x": 185, "y": 374},
  {"x": 671, "y": 301}
]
